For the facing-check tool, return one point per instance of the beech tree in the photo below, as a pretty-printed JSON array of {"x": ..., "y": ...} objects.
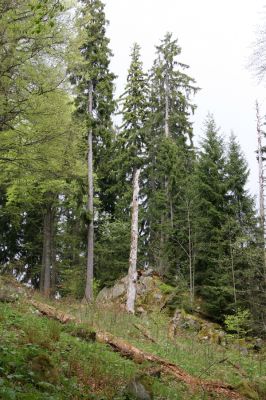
[{"x": 35, "y": 111}]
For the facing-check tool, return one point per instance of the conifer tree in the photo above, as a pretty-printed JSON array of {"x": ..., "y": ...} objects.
[
  {"x": 133, "y": 145},
  {"x": 132, "y": 138},
  {"x": 94, "y": 102},
  {"x": 245, "y": 248},
  {"x": 211, "y": 279},
  {"x": 170, "y": 146}
]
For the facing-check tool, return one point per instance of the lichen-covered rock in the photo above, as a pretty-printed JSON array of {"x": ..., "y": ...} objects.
[
  {"x": 206, "y": 330},
  {"x": 149, "y": 294},
  {"x": 110, "y": 294}
]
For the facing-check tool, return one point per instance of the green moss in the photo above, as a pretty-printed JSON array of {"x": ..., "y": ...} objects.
[{"x": 165, "y": 288}]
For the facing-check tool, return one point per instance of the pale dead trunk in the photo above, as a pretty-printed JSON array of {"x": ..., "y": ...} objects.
[
  {"x": 132, "y": 271},
  {"x": 90, "y": 235},
  {"x": 261, "y": 184},
  {"x": 261, "y": 173},
  {"x": 166, "y": 122}
]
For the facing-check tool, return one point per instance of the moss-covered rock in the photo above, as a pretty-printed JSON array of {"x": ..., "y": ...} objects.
[{"x": 152, "y": 293}]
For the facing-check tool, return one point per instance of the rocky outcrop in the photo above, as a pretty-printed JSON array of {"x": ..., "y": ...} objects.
[
  {"x": 206, "y": 330},
  {"x": 149, "y": 294},
  {"x": 11, "y": 290}
]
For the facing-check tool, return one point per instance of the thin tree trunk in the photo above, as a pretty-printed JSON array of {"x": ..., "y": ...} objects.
[
  {"x": 233, "y": 269},
  {"x": 132, "y": 271},
  {"x": 53, "y": 259},
  {"x": 43, "y": 265},
  {"x": 190, "y": 257},
  {"x": 167, "y": 134},
  {"x": 261, "y": 184},
  {"x": 171, "y": 212},
  {"x": 166, "y": 122},
  {"x": 90, "y": 237},
  {"x": 261, "y": 174},
  {"x": 161, "y": 247},
  {"x": 47, "y": 254}
]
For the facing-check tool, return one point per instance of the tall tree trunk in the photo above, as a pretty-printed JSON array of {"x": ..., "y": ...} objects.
[
  {"x": 47, "y": 250},
  {"x": 190, "y": 256},
  {"x": 261, "y": 174},
  {"x": 90, "y": 237},
  {"x": 261, "y": 183},
  {"x": 233, "y": 269},
  {"x": 166, "y": 121},
  {"x": 132, "y": 271},
  {"x": 53, "y": 259}
]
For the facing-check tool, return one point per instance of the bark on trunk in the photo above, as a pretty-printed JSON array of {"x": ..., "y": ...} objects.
[
  {"x": 190, "y": 257},
  {"x": 166, "y": 122},
  {"x": 261, "y": 174},
  {"x": 53, "y": 271},
  {"x": 261, "y": 183},
  {"x": 90, "y": 234},
  {"x": 132, "y": 271},
  {"x": 233, "y": 269},
  {"x": 47, "y": 250}
]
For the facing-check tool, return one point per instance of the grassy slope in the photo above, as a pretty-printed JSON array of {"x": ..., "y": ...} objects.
[{"x": 39, "y": 359}]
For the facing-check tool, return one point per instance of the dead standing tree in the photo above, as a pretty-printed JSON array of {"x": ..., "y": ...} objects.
[
  {"x": 132, "y": 271},
  {"x": 260, "y": 134}
]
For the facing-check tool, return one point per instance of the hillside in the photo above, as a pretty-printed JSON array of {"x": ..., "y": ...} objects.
[{"x": 43, "y": 358}]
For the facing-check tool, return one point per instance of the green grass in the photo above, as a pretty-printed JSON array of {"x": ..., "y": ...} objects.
[
  {"x": 198, "y": 357},
  {"x": 40, "y": 359}
]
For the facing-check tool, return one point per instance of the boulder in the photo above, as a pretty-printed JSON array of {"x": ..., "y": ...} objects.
[
  {"x": 149, "y": 294},
  {"x": 110, "y": 294}
]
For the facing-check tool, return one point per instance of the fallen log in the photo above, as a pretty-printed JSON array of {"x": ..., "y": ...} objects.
[
  {"x": 139, "y": 356},
  {"x": 53, "y": 313}
]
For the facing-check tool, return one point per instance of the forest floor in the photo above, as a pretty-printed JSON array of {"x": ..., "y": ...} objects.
[{"x": 43, "y": 358}]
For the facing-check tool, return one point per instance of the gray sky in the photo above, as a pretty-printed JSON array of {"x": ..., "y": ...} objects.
[{"x": 216, "y": 39}]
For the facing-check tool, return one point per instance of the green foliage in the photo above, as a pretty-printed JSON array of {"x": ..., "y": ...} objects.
[
  {"x": 239, "y": 322},
  {"x": 170, "y": 152},
  {"x": 198, "y": 226},
  {"x": 112, "y": 251}
]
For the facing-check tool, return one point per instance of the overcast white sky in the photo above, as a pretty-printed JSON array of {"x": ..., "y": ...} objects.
[{"x": 216, "y": 38}]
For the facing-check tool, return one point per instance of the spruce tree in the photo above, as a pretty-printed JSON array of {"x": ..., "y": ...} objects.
[
  {"x": 132, "y": 138},
  {"x": 94, "y": 104},
  {"x": 245, "y": 250},
  {"x": 133, "y": 144},
  {"x": 170, "y": 149},
  {"x": 211, "y": 278}
]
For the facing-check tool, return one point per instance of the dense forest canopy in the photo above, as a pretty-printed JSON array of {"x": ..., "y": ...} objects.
[{"x": 67, "y": 171}]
